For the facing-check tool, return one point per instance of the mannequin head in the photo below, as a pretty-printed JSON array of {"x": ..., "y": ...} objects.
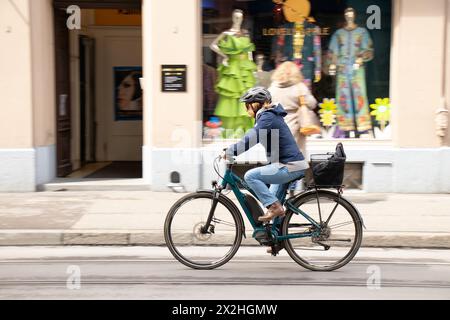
[
  {"x": 350, "y": 15},
  {"x": 237, "y": 17}
]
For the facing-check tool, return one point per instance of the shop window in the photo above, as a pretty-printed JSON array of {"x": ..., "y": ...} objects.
[{"x": 343, "y": 56}]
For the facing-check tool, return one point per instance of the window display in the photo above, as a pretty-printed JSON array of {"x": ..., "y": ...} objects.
[
  {"x": 263, "y": 77},
  {"x": 235, "y": 76},
  {"x": 343, "y": 61},
  {"x": 351, "y": 47},
  {"x": 302, "y": 46}
]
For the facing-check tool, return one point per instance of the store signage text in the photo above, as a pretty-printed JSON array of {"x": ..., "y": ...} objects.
[
  {"x": 373, "y": 22},
  {"x": 291, "y": 31}
]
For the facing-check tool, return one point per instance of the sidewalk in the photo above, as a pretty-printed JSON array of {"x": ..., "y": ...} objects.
[{"x": 137, "y": 218}]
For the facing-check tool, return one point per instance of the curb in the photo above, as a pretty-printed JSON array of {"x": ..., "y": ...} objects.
[{"x": 149, "y": 238}]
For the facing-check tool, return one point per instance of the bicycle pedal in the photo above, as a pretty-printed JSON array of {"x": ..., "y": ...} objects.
[
  {"x": 273, "y": 251},
  {"x": 276, "y": 248}
]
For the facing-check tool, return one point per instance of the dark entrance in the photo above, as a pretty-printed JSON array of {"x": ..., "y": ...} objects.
[
  {"x": 63, "y": 126},
  {"x": 87, "y": 100},
  {"x": 62, "y": 79}
]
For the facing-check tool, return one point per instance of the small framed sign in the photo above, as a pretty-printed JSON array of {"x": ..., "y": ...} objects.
[{"x": 173, "y": 78}]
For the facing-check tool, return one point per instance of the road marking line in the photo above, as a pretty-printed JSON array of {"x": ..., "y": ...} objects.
[{"x": 425, "y": 263}]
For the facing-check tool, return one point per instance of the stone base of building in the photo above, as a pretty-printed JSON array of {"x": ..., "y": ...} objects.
[
  {"x": 384, "y": 170},
  {"x": 17, "y": 170},
  {"x": 21, "y": 170},
  {"x": 168, "y": 169}
]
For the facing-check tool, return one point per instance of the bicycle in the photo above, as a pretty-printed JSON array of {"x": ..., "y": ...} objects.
[{"x": 216, "y": 226}]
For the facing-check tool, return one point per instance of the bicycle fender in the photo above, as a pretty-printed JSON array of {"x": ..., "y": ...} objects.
[{"x": 231, "y": 204}]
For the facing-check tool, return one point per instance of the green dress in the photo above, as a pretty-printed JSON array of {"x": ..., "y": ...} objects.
[{"x": 233, "y": 81}]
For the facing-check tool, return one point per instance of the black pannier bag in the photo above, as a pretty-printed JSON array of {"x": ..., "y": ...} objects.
[{"x": 328, "y": 169}]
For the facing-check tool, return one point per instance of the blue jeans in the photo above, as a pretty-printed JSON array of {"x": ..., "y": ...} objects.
[{"x": 278, "y": 179}]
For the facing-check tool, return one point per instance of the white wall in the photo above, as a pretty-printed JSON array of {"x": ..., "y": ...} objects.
[
  {"x": 43, "y": 66},
  {"x": 417, "y": 71},
  {"x": 172, "y": 33},
  {"x": 447, "y": 72},
  {"x": 27, "y": 91},
  {"x": 43, "y": 88},
  {"x": 16, "y": 117},
  {"x": 116, "y": 140},
  {"x": 114, "y": 46}
]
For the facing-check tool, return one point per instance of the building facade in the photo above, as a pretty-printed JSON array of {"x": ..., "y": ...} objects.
[{"x": 411, "y": 67}]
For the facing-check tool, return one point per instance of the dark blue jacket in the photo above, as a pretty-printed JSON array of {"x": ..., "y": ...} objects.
[{"x": 273, "y": 133}]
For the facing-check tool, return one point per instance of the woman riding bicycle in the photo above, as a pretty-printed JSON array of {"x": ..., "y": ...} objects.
[
  {"x": 322, "y": 231},
  {"x": 286, "y": 161}
]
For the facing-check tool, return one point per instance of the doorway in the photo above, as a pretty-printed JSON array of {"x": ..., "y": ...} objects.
[{"x": 98, "y": 71}]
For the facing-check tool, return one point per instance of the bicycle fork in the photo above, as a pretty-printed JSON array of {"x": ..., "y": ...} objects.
[{"x": 208, "y": 228}]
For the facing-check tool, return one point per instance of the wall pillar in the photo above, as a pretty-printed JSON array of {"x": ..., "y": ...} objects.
[
  {"x": 417, "y": 71},
  {"x": 417, "y": 82},
  {"x": 43, "y": 89},
  {"x": 172, "y": 121},
  {"x": 17, "y": 171},
  {"x": 446, "y": 84}
]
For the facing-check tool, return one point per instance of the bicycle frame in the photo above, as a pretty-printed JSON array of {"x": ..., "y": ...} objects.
[{"x": 234, "y": 181}]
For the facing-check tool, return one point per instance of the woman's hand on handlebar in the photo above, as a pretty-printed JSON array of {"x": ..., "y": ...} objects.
[{"x": 223, "y": 155}]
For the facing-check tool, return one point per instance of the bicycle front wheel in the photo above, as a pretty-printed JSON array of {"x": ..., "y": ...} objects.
[
  {"x": 335, "y": 243},
  {"x": 190, "y": 244}
]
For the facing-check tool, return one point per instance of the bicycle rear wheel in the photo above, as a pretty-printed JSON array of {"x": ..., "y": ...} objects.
[
  {"x": 341, "y": 234},
  {"x": 194, "y": 248}
]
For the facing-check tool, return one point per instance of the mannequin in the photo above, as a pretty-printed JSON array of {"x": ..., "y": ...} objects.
[
  {"x": 351, "y": 47},
  {"x": 235, "y": 76},
  {"x": 237, "y": 18},
  {"x": 263, "y": 77},
  {"x": 259, "y": 62},
  {"x": 303, "y": 47}
]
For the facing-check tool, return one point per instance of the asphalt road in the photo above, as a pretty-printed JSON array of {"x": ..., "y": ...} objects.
[{"x": 151, "y": 273}]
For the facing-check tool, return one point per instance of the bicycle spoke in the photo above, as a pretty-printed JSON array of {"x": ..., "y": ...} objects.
[
  {"x": 223, "y": 222},
  {"x": 339, "y": 240},
  {"x": 340, "y": 225},
  {"x": 214, "y": 219},
  {"x": 309, "y": 249},
  {"x": 332, "y": 212}
]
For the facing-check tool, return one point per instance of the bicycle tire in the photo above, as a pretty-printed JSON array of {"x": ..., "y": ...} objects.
[
  {"x": 358, "y": 224},
  {"x": 232, "y": 210}
]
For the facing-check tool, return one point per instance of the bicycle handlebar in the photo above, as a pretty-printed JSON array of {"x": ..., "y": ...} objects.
[{"x": 228, "y": 160}]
